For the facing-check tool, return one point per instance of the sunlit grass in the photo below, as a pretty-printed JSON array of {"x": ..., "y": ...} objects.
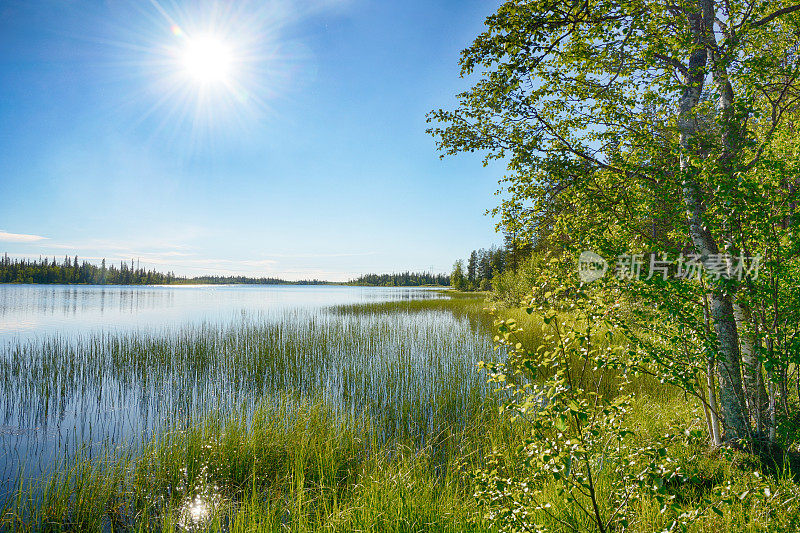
[
  {"x": 314, "y": 470},
  {"x": 362, "y": 418},
  {"x": 312, "y": 419},
  {"x": 408, "y": 372}
]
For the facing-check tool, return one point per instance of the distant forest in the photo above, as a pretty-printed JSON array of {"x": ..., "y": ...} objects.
[
  {"x": 484, "y": 264},
  {"x": 475, "y": 275},
  {"x": 71, "y": 271},
  {"x": 403, "y": 279}
]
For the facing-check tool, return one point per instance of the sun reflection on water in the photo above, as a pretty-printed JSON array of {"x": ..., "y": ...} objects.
[
  {"x": 201, "y": 503},
  {"x": 196, "y": 512}
]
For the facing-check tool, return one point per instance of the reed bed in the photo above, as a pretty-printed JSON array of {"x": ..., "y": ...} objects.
[
  {"x": 357, "y": 418},
  {"x": 312, "y": 420}
]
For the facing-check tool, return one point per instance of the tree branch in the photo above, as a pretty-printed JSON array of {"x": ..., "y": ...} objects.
[
  {"x": 674, "y": 62},
  {"x": 776, "y": 14}
]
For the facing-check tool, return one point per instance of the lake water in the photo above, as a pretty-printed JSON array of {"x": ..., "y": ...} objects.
[
  {"x": 37, "y": 311},
  {"x": 88, "y": 367}
]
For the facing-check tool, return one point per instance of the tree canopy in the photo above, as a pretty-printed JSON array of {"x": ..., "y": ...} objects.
[{"x": 630, "y": 127}]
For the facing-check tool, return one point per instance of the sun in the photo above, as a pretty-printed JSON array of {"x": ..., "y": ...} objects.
[
  {"x": 208, "y": 59},
  {"x": 206, "y": 69}
]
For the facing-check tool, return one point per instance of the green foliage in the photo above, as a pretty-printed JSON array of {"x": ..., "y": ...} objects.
[
  {"x": 402, "y": 279},
  {"x": 598, "y": 445},
  {"x": 635, "y": 127},
  {"x": 570, "y": 392},
  {"x": 71, "y": 271},
  {"x": 457, "y": 279},
  {"x": 484, "y": 264},
  {"x": 511, "y": 287}
]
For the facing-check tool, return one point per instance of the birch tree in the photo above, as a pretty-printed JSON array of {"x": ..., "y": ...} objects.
[{"x": 646, "y": 114}]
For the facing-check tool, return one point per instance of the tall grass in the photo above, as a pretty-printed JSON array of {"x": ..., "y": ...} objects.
[
  {"x": 314, "y": 471},
  {"x": 399, "y": 368},
  {"x": 302, "y": 420},
  {"x": 360, "y": 418}
]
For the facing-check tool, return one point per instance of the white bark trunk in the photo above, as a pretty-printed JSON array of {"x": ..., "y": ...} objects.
[
  {"x": 716, "y": 434},
  {"x": 730, "y": 378},
  {"x": 755, "y": 392},
  {"x": 711, "y": 383}
]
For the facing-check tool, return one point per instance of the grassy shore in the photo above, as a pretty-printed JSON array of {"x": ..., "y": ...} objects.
[
  {"x": 369, "y": 418},
  {"x": 303, "y": 420}
]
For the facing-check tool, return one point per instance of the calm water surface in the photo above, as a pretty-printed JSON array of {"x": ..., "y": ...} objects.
[
  {"x": 110, "y": 365},
  {"x": 38, "y": 311}
]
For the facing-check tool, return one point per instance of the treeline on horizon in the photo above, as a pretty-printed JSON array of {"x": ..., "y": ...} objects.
[
  {"x": 402, "y": 279},
  {"x": 476, "y": 274},
  {"x": 483, "y": 265},
  {"x": 72, "y": 271}
]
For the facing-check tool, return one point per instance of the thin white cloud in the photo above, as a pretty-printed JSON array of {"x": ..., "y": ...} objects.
[
  {"x": 323, "y": 255},
  {"x": 19, "y": 237},
  {"x": 160, "y": 247}
]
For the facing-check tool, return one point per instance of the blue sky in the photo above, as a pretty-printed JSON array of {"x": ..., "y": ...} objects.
[{"x": 308, "y": 159}]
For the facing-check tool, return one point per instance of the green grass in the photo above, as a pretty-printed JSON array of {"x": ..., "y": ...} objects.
[
  {"x": 311, "y": 416},
  {"x": 722, "y": 490},
  {"x": 365, "y": 418},
  {"x": 413, "y": 374},
  {"x": 256, "y": 473}
]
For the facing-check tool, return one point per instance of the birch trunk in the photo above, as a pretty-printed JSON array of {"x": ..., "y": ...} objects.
[
  {"x": 716, "y": 438},
  {"x": 755, "y": 392},
  {"x": 773, "y": 415},
  {"x": 731, "y": 394},
  {"x": 713, "y": 406}
]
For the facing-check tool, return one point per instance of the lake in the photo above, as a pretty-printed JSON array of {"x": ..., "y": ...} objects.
[
  {"x": 31, "y": 311},
  {"x": 96, "y": 368}
]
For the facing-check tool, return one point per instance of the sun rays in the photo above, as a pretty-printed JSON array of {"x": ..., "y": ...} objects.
[{"x": 191, "y": 74}]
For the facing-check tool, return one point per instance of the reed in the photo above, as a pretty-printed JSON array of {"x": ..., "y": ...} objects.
[{"x": 355, "y": 417}]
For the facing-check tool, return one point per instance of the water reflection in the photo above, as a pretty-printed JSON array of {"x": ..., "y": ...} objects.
[
  {"x": 88, "y": 367},
  {"x": 35, "y": 311},
  {"x": 195, "y": 513}
]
